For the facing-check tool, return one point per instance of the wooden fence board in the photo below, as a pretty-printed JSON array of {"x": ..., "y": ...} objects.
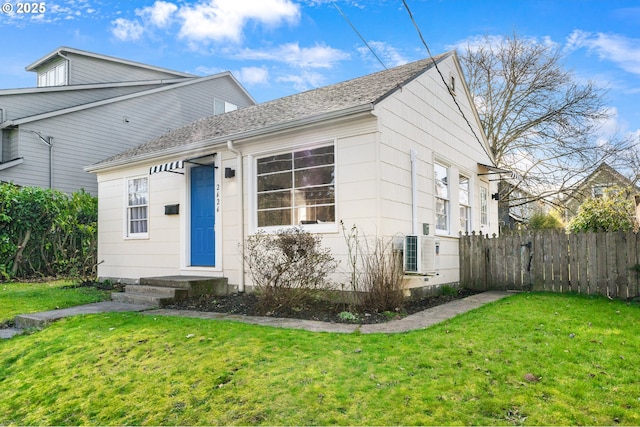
[{"x": 589, "y": 263}]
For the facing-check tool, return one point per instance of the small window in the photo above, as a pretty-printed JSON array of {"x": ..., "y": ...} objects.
[
  {"x": 452, "y": 84},
  {"x": 137, "y": 207},
  {"x": 442, "y": 197},
  {"x": 54, "y": 76},
  {"x": 484, "y": 206},
  {"x": 598, "y": 191},
  {"x": 465, "y": 204},
  {"x": 220, "y": 106},
  {"x": 296, "y": 188}
]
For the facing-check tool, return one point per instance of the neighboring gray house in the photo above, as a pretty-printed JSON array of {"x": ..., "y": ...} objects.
[{"x": 88, "y": 107}]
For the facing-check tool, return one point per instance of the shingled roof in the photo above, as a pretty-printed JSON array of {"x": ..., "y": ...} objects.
[{"x": 341, "y": 97}]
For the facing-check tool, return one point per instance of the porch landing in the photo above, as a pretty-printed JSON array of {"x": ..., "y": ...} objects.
[{"x": 162, "y": 291}]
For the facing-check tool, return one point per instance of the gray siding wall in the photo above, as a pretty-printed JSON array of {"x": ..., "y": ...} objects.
[
  {"x": 84, "y": 70},
  {"x": 89, "y": 136},
  {"x": 19, "y": 105}
]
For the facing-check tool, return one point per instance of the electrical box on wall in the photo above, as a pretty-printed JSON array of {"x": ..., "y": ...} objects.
[
  {"x": 171, "y": 209},
  {"x": 425, "y": 229}
]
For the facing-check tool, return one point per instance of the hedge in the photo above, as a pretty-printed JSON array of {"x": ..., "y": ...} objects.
[{"x": 46, "y": 233}]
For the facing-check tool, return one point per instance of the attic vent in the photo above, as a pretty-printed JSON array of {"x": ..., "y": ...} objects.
[{"x": 419, "y": 254}]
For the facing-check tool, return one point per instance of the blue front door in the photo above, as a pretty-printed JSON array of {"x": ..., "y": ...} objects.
[{"x": 203, "y": 238}]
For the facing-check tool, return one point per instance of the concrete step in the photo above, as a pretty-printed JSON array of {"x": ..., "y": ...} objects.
[
  {"x": 142, "y": 299},
  {"x": 196, "y": 285},
  {"x": 158, "y": 291}
]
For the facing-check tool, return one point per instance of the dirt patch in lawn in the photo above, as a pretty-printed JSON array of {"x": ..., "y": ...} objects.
[{"x": 322, "y": 310}]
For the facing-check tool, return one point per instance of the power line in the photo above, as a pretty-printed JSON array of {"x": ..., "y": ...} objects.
[
  {"x": 406, "y": 6},
  {"x": 359, "y": 35}
]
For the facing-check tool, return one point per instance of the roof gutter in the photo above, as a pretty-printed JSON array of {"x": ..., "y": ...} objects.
[
  {"x": 208, "y": 143},
  {"x": 240, "y": 190}
]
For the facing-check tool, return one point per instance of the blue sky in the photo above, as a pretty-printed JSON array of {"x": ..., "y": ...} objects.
[{"x": 279, "y": 47}]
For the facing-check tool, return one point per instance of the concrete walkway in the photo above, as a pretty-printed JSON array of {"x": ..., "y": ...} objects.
[{"x": 419, "y": 320}]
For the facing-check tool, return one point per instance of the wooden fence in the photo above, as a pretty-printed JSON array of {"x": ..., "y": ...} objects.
[{"x": 588, "y": 263}]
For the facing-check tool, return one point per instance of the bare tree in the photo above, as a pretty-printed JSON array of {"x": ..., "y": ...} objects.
[{"x": 540, "y": 120}]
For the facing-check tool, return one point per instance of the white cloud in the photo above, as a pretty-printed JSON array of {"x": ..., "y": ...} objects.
[
  {"x": 219, "y": 20},
  {"x": 389, "y": 55},
  {"x": 159, "y": 14},
  {"x": 304, "y": 81},
  {"x": 318, "y": 56},
  {"x": 621, "y": 50},
  {"x": 253, "y": 75},
  {"x": 483, "y": 41},
  {"x": 125, "y": 30}
]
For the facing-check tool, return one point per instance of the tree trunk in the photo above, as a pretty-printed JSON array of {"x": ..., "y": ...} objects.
[{"x": 18, "y": 258}]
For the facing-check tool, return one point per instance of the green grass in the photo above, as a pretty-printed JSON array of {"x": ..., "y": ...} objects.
[
  {"x": 21, "y": 298},
  {"x": 136, "y": 369}
]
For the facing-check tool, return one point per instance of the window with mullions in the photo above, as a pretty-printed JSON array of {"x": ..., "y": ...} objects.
[
  {"x": 442, "y": 197},
  {"x": 137, "y": 207},
  {"x": 465, "y": 204},
  {"x": 296, "y": 188}
]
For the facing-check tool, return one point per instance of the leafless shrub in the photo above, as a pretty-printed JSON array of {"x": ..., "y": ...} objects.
[
  {"x": 288, "y": 268},
  {"x": 375, "y": 271}
]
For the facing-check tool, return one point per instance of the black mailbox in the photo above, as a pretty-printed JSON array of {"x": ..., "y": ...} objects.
[{"x": 171, "y": 209}]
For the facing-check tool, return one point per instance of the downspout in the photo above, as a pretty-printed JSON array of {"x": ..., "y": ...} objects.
[
  {"x": 240, "y": 176},
  {"x": 414, "y": 191}
]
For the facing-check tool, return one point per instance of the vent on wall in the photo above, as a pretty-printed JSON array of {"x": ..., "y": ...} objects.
[{"x": 419, "y": 254}]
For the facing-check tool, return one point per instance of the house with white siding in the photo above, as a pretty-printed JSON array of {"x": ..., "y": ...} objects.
[
  {"x": 398, "y": 153},
  {"x": 88, "y": 106}
]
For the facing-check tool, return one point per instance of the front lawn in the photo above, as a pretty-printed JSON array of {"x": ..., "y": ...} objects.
[
  {"x": 21, "y": 298},
  {"x": 533, "y": 359}
]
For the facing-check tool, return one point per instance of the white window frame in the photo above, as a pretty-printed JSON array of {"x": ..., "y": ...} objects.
[
  {"x": 446, "y": 200},
  {"x": 128, "y": 208},
  {"x": 327, "y": 227},
  {"x": 53, "y": 76},
  {"x": 221, "y": 106},
  {"x": 484, "y": 206},
  {"x": 465, "y": 208}
]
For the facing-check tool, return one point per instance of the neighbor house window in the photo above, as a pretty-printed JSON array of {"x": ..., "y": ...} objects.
[
  {"x": 465, "y": 204},
  {"x": 137, "y": 206},
  {"x": 484, "y": 206},
  {"x": 296, "y": 188},
  {"x": 220, "y": 106},
  {"x": 598, "y": 190},
  {"x": 442, "y": 196},
  {"x": 54, "y": 76}
]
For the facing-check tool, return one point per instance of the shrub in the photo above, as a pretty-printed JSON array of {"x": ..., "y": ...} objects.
[
  {"x": 288, "y": 268},
  {"x": 541, "y": 221},
  {"x": 615, "y": 211},
  {"x": 45, "y": 232},
  {"x": 376, "y": 271}
]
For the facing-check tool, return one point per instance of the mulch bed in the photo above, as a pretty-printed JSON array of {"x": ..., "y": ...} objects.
[{"x": 326, "y": 311}]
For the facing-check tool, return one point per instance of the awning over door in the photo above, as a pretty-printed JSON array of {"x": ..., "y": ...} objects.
[{"x": 167, "y": 167}]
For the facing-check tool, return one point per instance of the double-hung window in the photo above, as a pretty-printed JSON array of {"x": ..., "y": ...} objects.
[
  {"x": 442, "y": 197},
  {"x": 484, "y": 206},
  {"x": 137, "y": 207},
  {"x": 296, "y": 188},
  {"x": 465, "y": 204}
]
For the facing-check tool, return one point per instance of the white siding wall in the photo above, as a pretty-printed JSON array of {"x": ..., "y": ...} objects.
[
  {"x": 373, "y": 185},
  {"x": 129, "y": 258},
  {"x": 423, "y": 117}
]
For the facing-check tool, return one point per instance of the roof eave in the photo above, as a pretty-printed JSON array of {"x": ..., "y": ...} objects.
[{"x": 222, "y": 140}]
